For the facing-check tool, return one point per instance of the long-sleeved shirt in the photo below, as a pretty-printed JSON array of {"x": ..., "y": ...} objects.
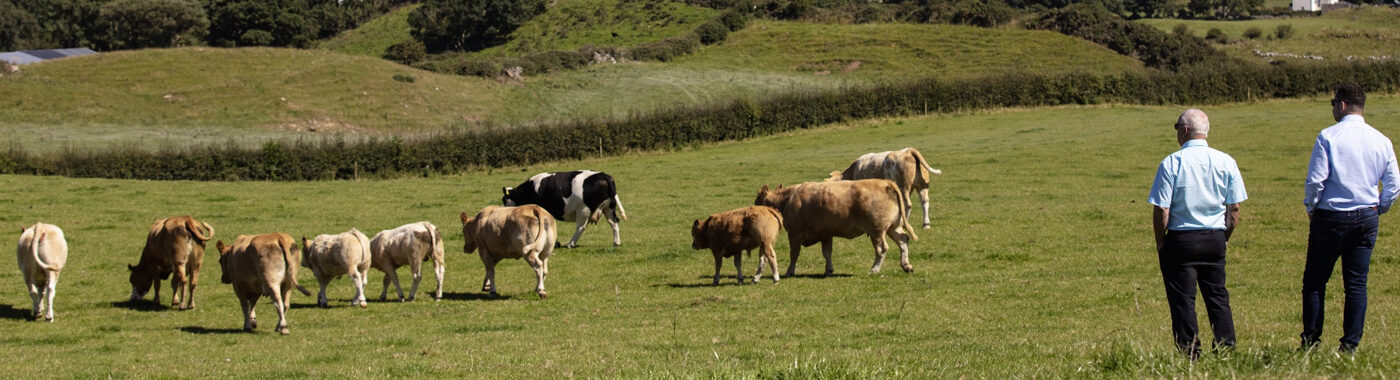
[
  {"x": 1348, "y": 160},
  {"x": 1195, "y": 184}
]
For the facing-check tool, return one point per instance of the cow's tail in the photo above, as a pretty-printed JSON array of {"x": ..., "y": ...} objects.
[
  {"x": 290, "y": 269},
  {"x": 34, "y": 248},
  {"x": 194, "y": 229},
  {"x": 903, "y": 212},
  {"x": 616, "y": 202},
  {"x": 776, "y": 214},
  {"x": 432, "y": 242},
  {"x": 922, "y": 162},
  {"x": 541, "y": 239}
]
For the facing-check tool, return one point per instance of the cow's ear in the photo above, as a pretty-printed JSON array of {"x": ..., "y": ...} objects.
[
  {"x": 220, "y": 246},
  {"x": 506, "y": 191},
  {"x": 464, "y": 217},
  {"x": 130, "y": 268},
  {"x": 696, "y": 224},
  {"x": 780, "y": 186},
  {"x": 763, "y": 189}
]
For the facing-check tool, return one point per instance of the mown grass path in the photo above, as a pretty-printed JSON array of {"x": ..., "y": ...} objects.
[{"x": 1039, "y": 264}]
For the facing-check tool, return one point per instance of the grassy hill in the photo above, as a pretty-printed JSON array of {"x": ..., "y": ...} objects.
[
  {"x": 1359, "y": 32},
  {"x": 571, "y": 24},
  {"x": 248, "y": 94},
  {"x": 1039, "y": 264},
  {"x": 374, "y": 37}
]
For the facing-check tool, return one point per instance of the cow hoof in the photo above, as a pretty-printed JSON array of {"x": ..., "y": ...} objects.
[
  {"x": 616, "y": 244},
  {"x": 48, "y": 319},
  {"x": 543, "y": 294},
  {"x": 284, "y": 330},
  {"x": 927, "y": 226},
  {"x": 252, "y": 325},
  {"x": 909, "y": 269}
]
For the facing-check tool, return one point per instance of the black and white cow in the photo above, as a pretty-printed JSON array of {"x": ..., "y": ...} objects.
[{"x": 582, "y": 196}]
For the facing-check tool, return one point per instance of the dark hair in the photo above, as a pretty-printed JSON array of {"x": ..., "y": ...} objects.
[{"x": 1352, "y": 94}]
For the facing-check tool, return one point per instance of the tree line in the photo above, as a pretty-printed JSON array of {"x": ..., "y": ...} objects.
[{"x": 134, "y": 24}]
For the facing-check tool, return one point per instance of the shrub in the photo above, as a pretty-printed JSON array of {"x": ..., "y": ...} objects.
[
  {"x": 1217, "y": 35},
  {"x": 1181, "y": 30},
  {"x": 664, "y": 50},
  {"x": 405, "y": 78},
  {"x": 1283, "y": 31},
  {"x": 445, "y": 25},
  {"x": 733, "y": 20},
  {"x": 983, "y": 13},
  {"x": 1153, "y": 47},
  {"x": 711, "y": 32},
  {"x": 406, "y": 52},
  {"x": 1253, "y": 33}
]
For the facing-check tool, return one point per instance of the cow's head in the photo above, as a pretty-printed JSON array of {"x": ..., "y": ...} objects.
[
  {"x": 223, "y": 261},
  {"x": 771, "y": 198},
  {"x": 835, "y": 176},
  {"x": 305, "y": 253},
  {"x": 505, "y": 199},
  {"x": 141, "y": 281},
  {"x": 468, "y": 230},
  {"x": 698, "y": 240}
]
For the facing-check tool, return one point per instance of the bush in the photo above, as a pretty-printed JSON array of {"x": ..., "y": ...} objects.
[
  {"x": 1217, "y": 35},
  {"x": 138, "y": 24},
  {"x": 733, "y": 20},
  {"x": 1283, "y": 31},
  {"x": 1253, "y": 33},
  {"x": 983, "y": 13},
  {"x": 711, "y": 32},
  {"x": 664, "y": 50},
  {"x": 406, "y": 52},
  {"x": 1153, "y": 47},
  {"x": 256, "y": 37},
  {"x": 1181, "y": 30},
  {"x": 454, "y": 25}
]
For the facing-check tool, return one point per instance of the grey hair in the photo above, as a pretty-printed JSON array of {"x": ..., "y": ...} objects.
[{"x": 1195, "y": 122}]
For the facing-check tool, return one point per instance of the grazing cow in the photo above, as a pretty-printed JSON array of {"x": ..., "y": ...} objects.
[
  {"x": 410, "y": 244},
  {"x": 511, "y": 233},
  {"x": 174, "y": 245},
  {"x": 41, "y": 251},
  {"x": 744, "y": 229},
  {"x": 906, "y": 167},
  {"x": 261, "y": 265},
  {"x": 815, "y": 212},
  {"x": 582, "y": 196},
  {"x": 332, "y": 256}
]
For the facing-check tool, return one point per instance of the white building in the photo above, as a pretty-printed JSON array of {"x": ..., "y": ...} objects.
[{"x": 1311, "y": 5}]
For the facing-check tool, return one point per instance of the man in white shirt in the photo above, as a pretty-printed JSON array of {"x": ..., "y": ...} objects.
[{"x": 1348, "y": 160}]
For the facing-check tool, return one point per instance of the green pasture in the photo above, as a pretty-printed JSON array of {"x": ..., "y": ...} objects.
[
  {"x": 374, "y": 37},
  {"x": 1359, "y": 32},
  {"x": 1039, "y": 264}
]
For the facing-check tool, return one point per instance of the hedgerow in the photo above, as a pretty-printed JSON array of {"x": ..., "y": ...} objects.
[{"x": 461, "y": 150}]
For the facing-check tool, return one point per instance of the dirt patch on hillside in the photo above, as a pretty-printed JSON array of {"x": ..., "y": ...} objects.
[{"x": 320, "y": 126}]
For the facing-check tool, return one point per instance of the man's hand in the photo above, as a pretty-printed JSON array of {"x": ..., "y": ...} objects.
[{"x": 1159, "y": 225}]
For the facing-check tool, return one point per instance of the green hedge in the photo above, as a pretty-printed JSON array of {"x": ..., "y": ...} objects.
[{"x": 462, "y": 150}]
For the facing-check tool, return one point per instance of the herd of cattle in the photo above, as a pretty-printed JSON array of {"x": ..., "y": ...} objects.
[{"x": 872, "y": 197}]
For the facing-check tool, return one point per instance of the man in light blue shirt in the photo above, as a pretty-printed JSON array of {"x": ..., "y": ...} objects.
[
  {"x": 1348, "y": 160},
  {"x": 1195, "y": 207}
]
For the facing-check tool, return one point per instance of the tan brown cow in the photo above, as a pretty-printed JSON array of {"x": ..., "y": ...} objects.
[
  {"x": 332, "y": 256},
  {"x": 262, "y": 265},
  {"x": 410, "y": 244},
  {"x": 42, "y": 251},
  {"x": 727, "y": 233},
  {"x": 906, "y": 167},
  {"x": 815, "y": 212},
  {"x": 173, "y": 246},
  {"x": 499, "y": 233}
]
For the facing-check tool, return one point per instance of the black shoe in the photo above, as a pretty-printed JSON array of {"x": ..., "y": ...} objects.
[
  {"x": 1307, "y": 344},
  {"x": 1347, "y": 349}
]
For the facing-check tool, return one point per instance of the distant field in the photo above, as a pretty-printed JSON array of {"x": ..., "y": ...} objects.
[
  {"x": 771, "y": 57},
  {"x": 1359, "y": 32},
  {"x": 1039, "y": 265},
  {"x": 373, "y": 38}
]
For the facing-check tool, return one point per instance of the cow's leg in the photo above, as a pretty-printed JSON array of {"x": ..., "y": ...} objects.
[
  {"x": 826, "y": 253},
  {"x": 248, "y": 323},
  {"x": 395, "y": 276},
  {"x": 364, "y": 281},
  {"x": 719, "y": 264},
  {"x": 359, "y": 284},
  {"x": 739, "y": 264},
  {"x": 581, "y": 222},
  {"x": 758, "y": 274},
  {"x": 34, "y": 295},
  {"x": 771, "y": 257},
  {"x": 279, "y": 299},
  {"x": 923, "y": 198},
  {"x": 794, "y": 249},
  {"x": 321, "y": 299},
  {"x": 439, "y": 269},
  {"x": 534, "y": 261},
  {"x": 177, "y": 286},
  {"x": 155, "y": 292},
  {"x": 614, "y": 221},
  {"x": 902, "y": 240},
  {"x": 417, "y": 268},
  {"x": 488, "y": 283},
  {"x": 49, "y": 290},
  {"x": 877, "y": 239},
  {"x": 384, "y": 294},
  {"x": 192, "y": 275}
]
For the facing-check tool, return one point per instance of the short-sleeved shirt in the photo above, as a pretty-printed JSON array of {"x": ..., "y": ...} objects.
[{"x": 1195, "y": 183}]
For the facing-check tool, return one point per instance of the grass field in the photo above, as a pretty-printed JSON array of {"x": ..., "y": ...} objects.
[
  {"x": 1360, "y": 32},
  {"x": 373, "y": 38},
  {"x": 1039, "y": 264},
  {"x": 572, "y": 24}
]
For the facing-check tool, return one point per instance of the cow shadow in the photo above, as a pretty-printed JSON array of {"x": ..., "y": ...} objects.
[
  {"x": 10, "y": 312},
  {"x": 298, "y": 306},
  {"x": 206, "y": 331},
  {"x": 141, "y": 305},
  {"x": 730, "y": 281},
  {"x": 473, "y": 296}
]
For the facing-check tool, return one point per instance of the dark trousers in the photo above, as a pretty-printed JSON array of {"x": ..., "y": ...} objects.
[
  {"x": 1349, "y": 235},
  {"x": 1189, "y": 258}
]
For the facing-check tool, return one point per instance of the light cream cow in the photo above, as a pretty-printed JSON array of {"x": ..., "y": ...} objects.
[
  {"x": 906, "y": 167},
  {"x": 499, "y": 233},
  {"x": 332, "y": 256},
  {"x": 410, "y": 244},
  {"x": 816, "y": 212},
  {"x": 42, "y": 251}
]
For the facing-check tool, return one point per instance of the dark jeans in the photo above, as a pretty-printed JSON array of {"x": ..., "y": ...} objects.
[
  {"x": 1189, "y": 258},
  {"x": 1349, "y": 235}
]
